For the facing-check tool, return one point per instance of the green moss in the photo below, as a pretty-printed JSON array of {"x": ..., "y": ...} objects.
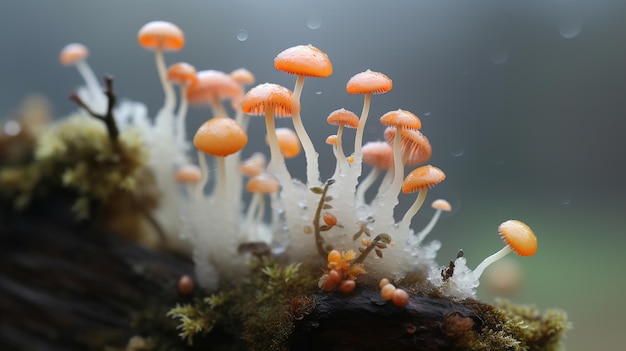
[
  {"x": 260, "y": 310},
  {"x": 77, "y": 153},
  {"x": 510, "y": 327}
]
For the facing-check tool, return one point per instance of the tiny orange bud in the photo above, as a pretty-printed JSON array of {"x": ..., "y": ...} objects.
[
  {"x": 347, "y": 286},
  {"x": 400, "y": 298},
  {"x": 387, "y": 292},
  {"x": 383, "y": 282},
  {"x": 334, "y": 256}
]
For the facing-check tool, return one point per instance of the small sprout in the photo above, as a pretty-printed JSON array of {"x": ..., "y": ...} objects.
[{"x": 317, "y": 190}]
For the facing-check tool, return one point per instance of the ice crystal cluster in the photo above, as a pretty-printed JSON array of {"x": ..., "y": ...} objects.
[{"x": 309, "y": 217}]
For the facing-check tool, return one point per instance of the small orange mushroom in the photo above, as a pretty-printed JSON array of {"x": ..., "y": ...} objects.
[
  {"x": 367, "y": 83},
  {"x": 211, "y": 87},
  {"x": 342, "y": 118},
  {"x": 420, "y": 179},
  {"x": 220, "y": 137},
  {"x": 259, "y": 186},
  {"x": 271, "y": 100},
  {"x": 162, "y": 36},
  {"x": 518, "y": 237},
  {"x": 379, "y": 155},
  {"x": 304, "y": 61},
  {"x": 439, "y": 205},
  {"x": 184, "y": 75},
  {"x": 75, "y": 54},
  {"x": 288, "y": 142}
]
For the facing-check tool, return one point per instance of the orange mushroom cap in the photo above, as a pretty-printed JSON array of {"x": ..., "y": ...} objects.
[
  {"x": 161, "y": 35},
  {"x": 211, "y": 85},
  {"x": 414, "y": 146},
  {"x": 519, "y": 237},
  {"x": 254, "y": 165},
  {"x": 220, "y": 136},
  {"x": 369, "y": 82},
  {"x": 305, "y": 60},
  {"x": 188, "y": 174},
  {"x": 441, "y": 204},
  {"x": 263, "y": 183},
  {"x": 242, "y": 76},
  {"x": 422, "y": 177},
  {"x": 378, "y": 154},
  {"x": 73, "y": 52},
  {"x": 182, "y": 73},
  {"x": 331, "y": 139},
  {"x": 288, "y": 142},
  {"x": 343, "y": 117},
  {"x": 401, "y": 118},
  {"x": 268, "y": 94}
]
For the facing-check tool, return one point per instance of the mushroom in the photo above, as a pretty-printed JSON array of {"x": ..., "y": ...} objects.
[
  {"x": 342, "y": 118},
  {"x": 271, "y": 100},
  {"x": 162, "y": 36},
  {"x": 75, "y": 54},
  {"x": 439, "y": 205},
  {"x": 184, "y": 75},
  {"x": 304, "y": 61},
  {"x": 211, "y": 87},
  {"x": 220, "y": 137},
  {"x": 243, "y": 77},
  {"x": 288, "y": 142},
  {"x": 420, "y": 179},
  {"x": 518, "y": 237},
  {"x": 379, "y": 155},
  {"x": 190, "y": 175},
  {"x": 366, "y": 83}
]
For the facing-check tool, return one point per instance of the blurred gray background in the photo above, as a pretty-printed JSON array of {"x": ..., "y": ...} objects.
[{"x": 523, "y": 101}]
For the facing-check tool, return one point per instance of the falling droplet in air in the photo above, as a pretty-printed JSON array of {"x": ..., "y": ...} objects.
[
  {"x": 570, "y": 26},
  {"x": 458, "y": 152},
  {"x": 318, "y": 92},
  {"x": 566, "y": 201},
  {"x": 427, "y": 113},
  {"x": 242, "y": 35},
  {"x": 314, "y": 21}
]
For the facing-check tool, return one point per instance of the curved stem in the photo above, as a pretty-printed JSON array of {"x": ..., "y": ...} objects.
[
  {"x": 181, "y": 115},
  {"x": 276, "y": 165},
  {"x": 422, "y": 234},
  {"x": 366, "y": 184},
  {"x": 491, "y": 259},
  {"x": 168, "y": 90},
  {"x": 252, "y": 209},
  {"x": 358, "y": 139},
  {"x": 312, "y": 168},
  {"x": 91, "y": 82},
  {"x": 419, "y": 201},
  {"x": 221, "y": 184},
  {"x": 204, "y": 170},
  {"x": 341, "y": 156}
]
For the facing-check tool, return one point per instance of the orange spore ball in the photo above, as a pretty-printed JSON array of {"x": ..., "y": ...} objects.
[
  {"x": 329, "y": 219},
  {"x": 335, "y": 276},
  {"x": 387, "y": 292},
  {"x": 400, "y": 298},
  {"x": 347, "y": 286},
  {"x": 383, "y": 282},
  {"x": 186, "y": 285}
]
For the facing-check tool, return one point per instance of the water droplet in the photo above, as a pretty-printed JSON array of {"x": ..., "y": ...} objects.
[
  {"x": 566, "y": 201},
  {"x": 242, "y": 35},
  {"x": 499, "y": 56},
  {"x": 314, "y": 21},
  {"x": 458, "y": 152},
  {"x": 570, "y": 26},
  {"x": 12, "y": 128},
  {"x": 319, "y": 92},
  {"x": 427, "y": 113}
]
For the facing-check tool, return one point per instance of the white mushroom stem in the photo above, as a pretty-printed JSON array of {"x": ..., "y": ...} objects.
[
  {"x": 491, "y": 259},
  {"x": 365, "y": 184},
  {"x": 222, "y": 182},
  {"x": 389, "y": 198},
  {"x": 254, "y": 214},
  {"x": 419, "y": 201},
  {"x": 181, "y": 115},
  {"x": 170, "y": 98},
  {"x": 93, "y": 87},
  {"x": 341, "y": 156},
  {"x": 312, "y": 168},
  {"x": 276, "y": 165},
  {"x": 358, "y": 139},
  {"x": 337, "y": 164},
  {"x": 419, "y": 237},
  {"x": 204, "y": 171}
]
